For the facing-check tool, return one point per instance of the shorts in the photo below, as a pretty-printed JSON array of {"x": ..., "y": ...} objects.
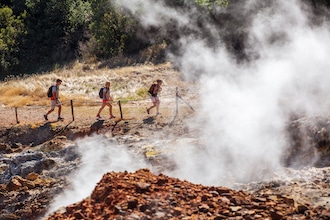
[
  {"x": 53, "y": 104},
  {"x": 154, "y": 99},
  {"x": 106, "y": 101}
]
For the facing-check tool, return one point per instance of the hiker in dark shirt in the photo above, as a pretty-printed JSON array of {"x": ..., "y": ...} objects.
[{"x": 155, "y": 89}]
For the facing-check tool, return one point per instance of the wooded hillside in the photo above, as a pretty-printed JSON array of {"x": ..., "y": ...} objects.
[{"x": 38, "y": 36}]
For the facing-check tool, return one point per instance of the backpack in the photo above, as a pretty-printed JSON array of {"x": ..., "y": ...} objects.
[
  {"x": 151, "y": 89},
  {"x": 50, "y": 92},
  {"x": 101, "y": 93}
]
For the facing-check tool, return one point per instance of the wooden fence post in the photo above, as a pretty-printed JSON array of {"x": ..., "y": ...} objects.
[
  {"x": 177, "y": 101},
  {"x": 16, "y": 115},
  {"x": 121, "y": 113},
  {"x": 71, "y": 102}
]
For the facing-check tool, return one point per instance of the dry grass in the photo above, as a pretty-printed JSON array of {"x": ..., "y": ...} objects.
[
  {"x": 127, "y": 83},
  {"x": 81, "y": 83}
]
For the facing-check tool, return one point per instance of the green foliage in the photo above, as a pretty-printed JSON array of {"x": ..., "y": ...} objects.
[
  {"x": 38, "y": 35},
  {"x": 211, "y": 3},
  {"x": 11, "y": 32},
  {"x": 111, "y": 28},
  {"x": 18, "y": 6},
  {"x": 46, "y": 26},
  {"x": 54, "y": 30},
  {"x": 58, "y": 31},
  {"x": 79, "y": 15}
]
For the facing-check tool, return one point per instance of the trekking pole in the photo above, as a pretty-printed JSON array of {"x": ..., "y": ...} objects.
[{"x": 71, "y": 102}]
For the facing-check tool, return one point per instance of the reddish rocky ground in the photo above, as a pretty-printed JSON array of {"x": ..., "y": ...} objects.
[{"x": 143, "y": 195}]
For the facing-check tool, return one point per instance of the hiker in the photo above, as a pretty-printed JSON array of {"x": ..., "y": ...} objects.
[
  {"x": 106, "y": 99},
  {"x": 55, "y": 101},
  {"x": 154, "y": 90}
]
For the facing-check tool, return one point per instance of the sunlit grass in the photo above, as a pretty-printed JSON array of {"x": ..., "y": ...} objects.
[{"x": 81, "y": 86}]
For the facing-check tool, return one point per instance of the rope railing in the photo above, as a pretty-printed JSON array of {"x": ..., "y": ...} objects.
[{"x": 121, "y": 110}]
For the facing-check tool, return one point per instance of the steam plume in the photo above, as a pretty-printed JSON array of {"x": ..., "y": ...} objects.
[
  {"x": 98, "y": 156},
  {"x": 245, "y": 105},
  {"x": 245, "y": 98}
]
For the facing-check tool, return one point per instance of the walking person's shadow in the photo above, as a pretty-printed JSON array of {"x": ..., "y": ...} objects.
[
  {"x": 97, "y": 125},
  {"x": 149, "y": 120}
]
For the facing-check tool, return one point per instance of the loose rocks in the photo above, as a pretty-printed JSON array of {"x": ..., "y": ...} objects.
[{"x": 143, "y": 195}]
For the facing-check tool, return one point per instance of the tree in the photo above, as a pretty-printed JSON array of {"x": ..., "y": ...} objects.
[
  {"x": 111, "y": 28},
  {"x": 11, "y": 32},
  {"x": 54, "y": 30}
]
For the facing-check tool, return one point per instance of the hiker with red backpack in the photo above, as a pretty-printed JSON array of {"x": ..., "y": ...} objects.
[
  {"x": 154, "y": 89},
  {"x": 104, "y": 94}
]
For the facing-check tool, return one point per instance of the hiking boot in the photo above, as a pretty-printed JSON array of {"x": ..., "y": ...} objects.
[
  {"x": 46, "y": 118},
  {"x": 112, "y": 117},
  {"x": 98, "y": 117},
  {"x": 60, "y": 118}
]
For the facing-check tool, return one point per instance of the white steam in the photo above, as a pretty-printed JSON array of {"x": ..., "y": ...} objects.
[
  {"x": 98, "y": 156},
  {"x": 244, "y": 108}
]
